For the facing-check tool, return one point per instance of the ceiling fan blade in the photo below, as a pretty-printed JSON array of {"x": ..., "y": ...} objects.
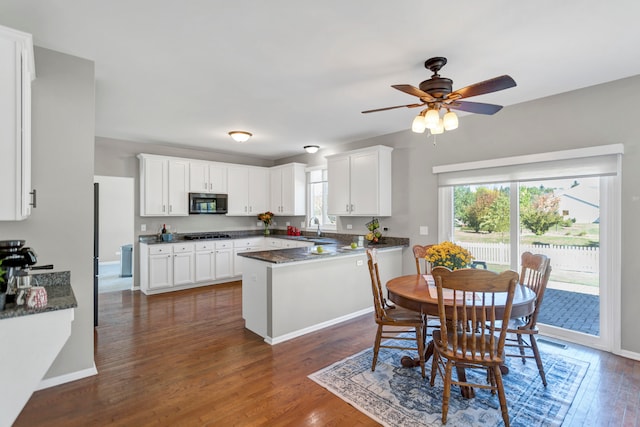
[
  {"x": 391, "y": 108},
  {"x": 487, "y": 86},
  {"x": 412, "y": 90},
  {"x": 474, "y": 107}
]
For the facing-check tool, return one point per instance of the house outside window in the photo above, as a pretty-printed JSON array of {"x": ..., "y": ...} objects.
[{"x": 317, "y": 199}]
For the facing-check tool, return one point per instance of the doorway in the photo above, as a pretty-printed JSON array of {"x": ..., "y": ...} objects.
[{"x": 115, "y": 233}]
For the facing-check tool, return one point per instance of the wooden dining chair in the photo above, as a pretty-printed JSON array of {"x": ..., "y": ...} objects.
[
  {"x": 393, "y": 321},
  {"x": 424, "y": 267},
  {"x": 467, "y": 300},
  {"x": 535, "y": 273}
]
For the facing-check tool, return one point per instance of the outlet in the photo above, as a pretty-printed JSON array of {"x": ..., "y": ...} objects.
[
  {"x": 349, "y": 227},
  {"x": 359, "y": 263},
  {"x": 258, "y": 223},
  {"x": 143, "y": 227},
  {"x": 287, "y": 223},
  {"x": 424, "y": 230},
  {"x": 302, "y": 224}
]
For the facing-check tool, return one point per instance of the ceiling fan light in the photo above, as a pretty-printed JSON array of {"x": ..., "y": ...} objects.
[
  {"x": 450, "y": 121},
  {"x": 418, "y": 125},
  {"x": 240, "y": 135},
  {"x": 438, "y": 128},
  {"x": 432, "y": 118},
  {"x": 311, "y": 148}
]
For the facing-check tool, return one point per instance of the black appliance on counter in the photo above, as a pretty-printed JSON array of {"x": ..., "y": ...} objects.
[
  {"x": 207, "y": 203},
  {"x": 16, "y": 261}
]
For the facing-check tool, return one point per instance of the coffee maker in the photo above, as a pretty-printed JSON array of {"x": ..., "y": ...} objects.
[{"x": 17, "y": 260}]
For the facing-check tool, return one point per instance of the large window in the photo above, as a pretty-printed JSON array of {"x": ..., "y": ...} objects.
[
  {"x": 317, "y": 199},
  {"x": 565, "y": 205}
]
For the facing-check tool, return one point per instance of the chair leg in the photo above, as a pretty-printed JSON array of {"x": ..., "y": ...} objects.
[
  {"x": 501, "y": 396},
  {"x": 420, "y": 342},
  {"x": 521, "y": 346},
  {"x": 447, "y": 391},
  {"x": 435, "y": 359},
  {"x": 536, "y": 353},
  {"x": 376, "y": 348}
]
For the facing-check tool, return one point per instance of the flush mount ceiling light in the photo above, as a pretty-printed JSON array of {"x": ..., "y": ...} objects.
[
  {"x": 240, "y": 135},
  {"x": 311, "y": 148}
]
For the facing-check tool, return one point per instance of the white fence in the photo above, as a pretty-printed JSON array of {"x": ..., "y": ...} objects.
[{"x": 571, "y": 258}]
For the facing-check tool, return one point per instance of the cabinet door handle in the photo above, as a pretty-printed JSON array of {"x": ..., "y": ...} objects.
[
  {"x": 33, "y": 198},
  {"x": 163, "y": 208},
  {"x": 170, "y": 208},
  {"x": 347, "y": 208},
  {"x": 352, "y": 208}
]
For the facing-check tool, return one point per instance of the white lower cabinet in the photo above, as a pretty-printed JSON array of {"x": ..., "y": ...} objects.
[
  {"x": 183, "y": 263},
  {"x": 244, "y": 245},
  {"x": 159, "y": 268},
  {"x": 224, "y": 260},
  {"x": 205, "y": 261}
]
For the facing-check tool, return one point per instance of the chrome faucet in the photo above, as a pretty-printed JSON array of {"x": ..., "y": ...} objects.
[{"x": 316, "y": 221}]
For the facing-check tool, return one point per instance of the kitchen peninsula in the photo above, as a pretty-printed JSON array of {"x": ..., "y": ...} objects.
[{"x": 291, "y": 292}]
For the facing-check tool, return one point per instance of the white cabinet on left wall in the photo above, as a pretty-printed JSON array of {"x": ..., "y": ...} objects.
[
  {"x": 164, "y": 186},
  {"x": 16, "y": 73},
  {"x": 208, "y": 177}
]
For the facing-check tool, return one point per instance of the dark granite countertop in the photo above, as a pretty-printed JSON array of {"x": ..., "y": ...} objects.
[
  {"x": 59, "y": 295},
  {"x": 280, "y": 256}
]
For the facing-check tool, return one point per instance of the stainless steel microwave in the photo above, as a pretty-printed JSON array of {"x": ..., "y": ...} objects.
[{"x": 206, "y": 203}]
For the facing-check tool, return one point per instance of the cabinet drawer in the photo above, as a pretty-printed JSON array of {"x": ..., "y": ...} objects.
[
  {"x": 159, "y": 249},
  {"x": 227, "y": 244},
  {"x": 180, "y": 248},
  {"x": 205, "y": 246},
  {"x": 248, "y": 243}
]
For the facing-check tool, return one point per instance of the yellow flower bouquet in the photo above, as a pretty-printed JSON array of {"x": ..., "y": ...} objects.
[{"x": 448, "y": 254}]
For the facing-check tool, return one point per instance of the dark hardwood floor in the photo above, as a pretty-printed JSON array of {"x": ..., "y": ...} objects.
[{"x": 185, "y": 359}]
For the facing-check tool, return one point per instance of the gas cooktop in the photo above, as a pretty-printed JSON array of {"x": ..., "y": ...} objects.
[{"x": 201, "y": 236}]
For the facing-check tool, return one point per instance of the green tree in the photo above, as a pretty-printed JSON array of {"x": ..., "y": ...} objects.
[
  {"x": 541, "y": 214},
  {"x": 476, "y": 212},
  {"x": 496, "y": 218},
  {"x": 463, "y": 197}
]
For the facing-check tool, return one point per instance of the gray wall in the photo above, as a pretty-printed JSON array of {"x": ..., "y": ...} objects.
[{"x": 60, "y": 229}]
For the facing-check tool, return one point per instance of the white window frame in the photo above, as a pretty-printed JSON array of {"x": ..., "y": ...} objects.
[
  {"x": 604, "y": 161},
  {"x": 309, "y": 227}
]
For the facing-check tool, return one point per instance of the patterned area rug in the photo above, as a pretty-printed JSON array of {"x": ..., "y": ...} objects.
[{"x": 396, "y": 396}]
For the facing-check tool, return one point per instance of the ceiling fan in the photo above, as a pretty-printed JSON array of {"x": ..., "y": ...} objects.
[{"x": 437, "y": 93}]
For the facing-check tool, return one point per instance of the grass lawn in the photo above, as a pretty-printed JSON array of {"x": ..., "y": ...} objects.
[{"x": 576, "y": 235}]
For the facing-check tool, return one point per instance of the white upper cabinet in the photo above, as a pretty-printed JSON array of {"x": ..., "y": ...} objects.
[
  {"x": 207, "y": 177},
  {"x": 360, "y": 182},
  {"x": 16, "y": 73},
  {"x": 248, "y": 190},
  {"x": 288, "y": 189},
  {"x": 164, "y": 186}
]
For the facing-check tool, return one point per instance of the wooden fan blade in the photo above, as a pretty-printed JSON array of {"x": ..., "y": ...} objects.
[
  {"x": 474, "y": 107},
  {"x": 412, "y": 90},
  {"x": 487, "y": 86},
  {"x": 391, "y": 108}
]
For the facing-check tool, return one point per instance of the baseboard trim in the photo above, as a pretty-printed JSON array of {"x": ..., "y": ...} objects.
[
  {"x": 67, "y": 378},
  {"x": 304, "y": 331},
  {"x": 628, "y": 354}
]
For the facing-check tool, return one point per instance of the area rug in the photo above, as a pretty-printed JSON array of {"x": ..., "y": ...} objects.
[{"x": 397, "y": 396}]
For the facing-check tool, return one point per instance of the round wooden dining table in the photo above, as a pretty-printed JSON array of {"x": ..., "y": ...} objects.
[{"x": 415, "y": 293}]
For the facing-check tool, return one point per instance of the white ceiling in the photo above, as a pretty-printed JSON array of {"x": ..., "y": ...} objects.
[{"x": 298, "y": 72}]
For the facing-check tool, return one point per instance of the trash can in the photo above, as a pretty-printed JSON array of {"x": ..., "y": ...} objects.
[{"x": 126, "y": 260}]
